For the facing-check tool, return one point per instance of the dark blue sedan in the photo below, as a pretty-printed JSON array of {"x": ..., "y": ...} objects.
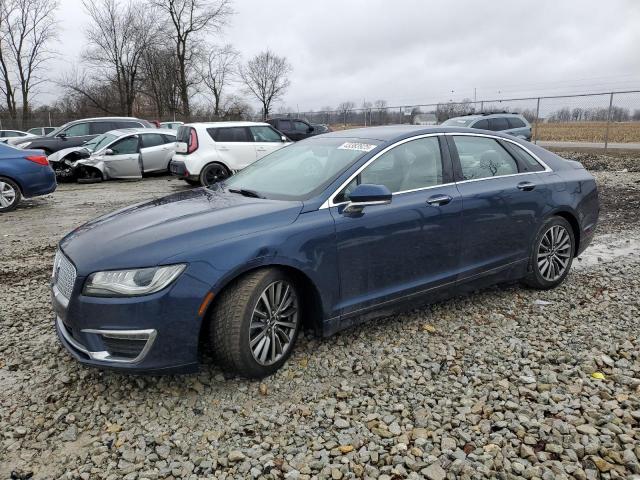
[
  {"x": 321, "y": 234},
  {"x": 23, "y": 173}
]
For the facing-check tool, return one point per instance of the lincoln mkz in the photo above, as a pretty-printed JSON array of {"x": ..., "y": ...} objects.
[{"x": 321, "y": 234}]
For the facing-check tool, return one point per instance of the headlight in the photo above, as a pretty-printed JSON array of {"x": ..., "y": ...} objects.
[
  {"x": 23, "y": 144},
  {"x": 127, "y": 283}
]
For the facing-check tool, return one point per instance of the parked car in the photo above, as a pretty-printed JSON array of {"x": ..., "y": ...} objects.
[
  {"x": 74, "y": 134},
  {"x": 171, "y": 125},
  {"x": 23, "y": 173},
  {"x": 6, "y": 135},
  {"x": 293, "y": 128},
  {"x": 511, "y": 123},
  {"x": 425, "y": 119},
  {"x": 210, "y": 152},
  {"x": 320, "y": 128},
  {"x": 127, "y": 154},
  {"x": 393, "y": 217},
  {"x": 41, "y": 131}
]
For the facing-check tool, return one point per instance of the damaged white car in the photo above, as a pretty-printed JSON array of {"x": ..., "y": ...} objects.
[{"x": 119, "y": 154}]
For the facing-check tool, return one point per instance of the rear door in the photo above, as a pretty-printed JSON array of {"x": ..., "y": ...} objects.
[
  {"x": 502, "y": 203},
  {"x": 266, "y": 140},
  {"x": 498, "y": 124},
  {"x": 235, "y": 146},
  {"x": 155, "y": 152},
  {"x": 124, "y": 159}
]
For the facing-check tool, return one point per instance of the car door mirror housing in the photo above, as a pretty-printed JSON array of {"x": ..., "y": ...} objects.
[
  {"x": 310, "y": 129},
  {"x": 283, "y": 138},
  {"x": 108, "y": 151},
  {"x": 366, "y": 195},
  {"x": 62, "y": 135}
]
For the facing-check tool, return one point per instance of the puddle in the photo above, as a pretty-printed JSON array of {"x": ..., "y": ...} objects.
[{"x": 608, "y": 248}]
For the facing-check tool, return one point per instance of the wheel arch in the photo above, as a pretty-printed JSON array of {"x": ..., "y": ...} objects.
[
  {"x": 14, "y": 180},
  {"x": 311, "y": 299},
  {"x": 575, "y": 226}
]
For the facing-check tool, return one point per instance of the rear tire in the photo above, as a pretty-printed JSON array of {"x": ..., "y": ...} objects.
[
  {"x": 255, "y": 323},
  {"x": 10, "y": 195},
  {"x": 213, "y": 173},
  {"x": 551, "y": 255}
]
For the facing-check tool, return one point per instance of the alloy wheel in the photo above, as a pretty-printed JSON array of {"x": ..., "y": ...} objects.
[
  {"x": 554, "y": 253},
  {"x": 215, "y": 174},
  {"x": 7, "y": 195},
  {"x": 274, "y": 323}
]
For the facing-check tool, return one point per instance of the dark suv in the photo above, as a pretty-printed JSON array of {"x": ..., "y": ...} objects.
[
  {"x": 505, "y": 122},
  {"x": 76, "y": 133},
  {"x": 293, "y": 128}
]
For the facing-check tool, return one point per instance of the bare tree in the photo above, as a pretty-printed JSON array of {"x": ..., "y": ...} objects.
[
  {"x": 27, "y": 30},
  {"x": 160, "y": 80},
  {"x": 117, "y": 39},
  {"x": 217, "y": 72},
  {"x": 188, "y": 20},
  {"x": 266, "y": 77},
  {"x": 345, "y": 108}
]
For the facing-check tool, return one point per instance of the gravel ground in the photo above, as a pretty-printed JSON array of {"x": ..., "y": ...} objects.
[{"x": 504, "y": 383}]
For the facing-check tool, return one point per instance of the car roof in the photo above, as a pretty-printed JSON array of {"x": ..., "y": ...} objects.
[
  {"x": 226, "y": 124},
  {"x": 129, "y": 131},
  {"x": 396, "y": 132}
]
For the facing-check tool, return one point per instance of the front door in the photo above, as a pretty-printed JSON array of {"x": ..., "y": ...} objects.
[
  {"x": 266, "y": 140},
  {"x": 124, "y": 159},
  {"x": 409, "y": 246},
  {"x": 502, "y": 204}
]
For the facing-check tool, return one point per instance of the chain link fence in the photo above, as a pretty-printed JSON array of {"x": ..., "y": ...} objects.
[{"x": 606, "y": 120}]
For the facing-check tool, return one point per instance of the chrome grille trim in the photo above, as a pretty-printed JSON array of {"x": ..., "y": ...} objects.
[{"x": 64, "y": 274}]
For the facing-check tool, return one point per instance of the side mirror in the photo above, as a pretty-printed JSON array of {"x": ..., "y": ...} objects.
[
  {"x": 284, "y": 139},
  {"x": 366, "y": 195},
  {"x": 310, "y": 129},
  {"x": 108, "y": 151},
  {"x": 62, "y": 135}
]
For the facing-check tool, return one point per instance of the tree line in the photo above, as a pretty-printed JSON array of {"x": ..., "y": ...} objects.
[{"x": 142, "y": 58}]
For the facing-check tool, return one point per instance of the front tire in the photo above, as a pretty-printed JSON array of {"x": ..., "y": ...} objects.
[
  {"x": 213, "y": 173},
  {"x": 552, "y": 254},
  {"x": 255, "y": 323},
  {"x": 9, "y": 195}
]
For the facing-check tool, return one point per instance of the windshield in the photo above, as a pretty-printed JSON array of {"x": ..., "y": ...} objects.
[
  {"x": 301, "y": 170},
  {"x": 99, "y": 142},
  {"x": 458, "y": 122}
]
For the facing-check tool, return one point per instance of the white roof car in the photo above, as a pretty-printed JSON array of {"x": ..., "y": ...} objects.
[
  {"x": 211, "y": 151},
  {"x": 7, "y": 134}
]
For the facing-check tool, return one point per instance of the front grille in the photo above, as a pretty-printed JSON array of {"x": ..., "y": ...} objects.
[
  {"x": 64, "y": 274},
  {"x": 123, "y": 347}
]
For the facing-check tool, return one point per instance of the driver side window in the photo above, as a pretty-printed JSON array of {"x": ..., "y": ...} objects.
[
  {"x": 410, "y": 166},
  {"x": 126, "y": 146}
]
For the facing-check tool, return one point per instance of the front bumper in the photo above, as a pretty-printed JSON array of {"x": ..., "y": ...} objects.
[{"x": 157, "y": 333}]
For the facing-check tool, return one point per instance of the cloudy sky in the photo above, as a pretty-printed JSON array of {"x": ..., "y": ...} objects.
[{"x": 411, "y": 51}]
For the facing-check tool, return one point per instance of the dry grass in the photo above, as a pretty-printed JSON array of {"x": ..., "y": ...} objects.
[
  {"x": 623, "y": 132},
  {"x": 619, "y": 132}
]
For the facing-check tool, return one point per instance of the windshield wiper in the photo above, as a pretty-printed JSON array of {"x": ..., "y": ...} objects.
[{"x": 246, "y": 193}]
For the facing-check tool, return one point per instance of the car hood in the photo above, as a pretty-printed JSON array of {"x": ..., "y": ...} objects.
[
  {"x": 60, "y": 154},
  {"x": 150, "y": 233}
]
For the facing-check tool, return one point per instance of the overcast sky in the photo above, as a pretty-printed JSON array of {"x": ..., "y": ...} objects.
[{"x": 411, "y": 51}]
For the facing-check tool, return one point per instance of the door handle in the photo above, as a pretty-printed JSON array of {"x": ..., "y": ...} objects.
[
  {"x": 526, "y": 186},
  {"x": 224, "y": 149},
  {"x": 439, "y": 200},
  {"x": 261, "y": 149}
]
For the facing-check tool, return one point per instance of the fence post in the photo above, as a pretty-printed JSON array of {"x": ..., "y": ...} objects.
[
  {"x": 535, "y": 138},
  {"x": 606, "y": 133},
  {"x": 344, "y": 118},
  {"x": 482, "y": 107}
]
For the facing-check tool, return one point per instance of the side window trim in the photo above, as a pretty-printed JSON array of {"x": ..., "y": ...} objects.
[{"x": 456, "y": 159}]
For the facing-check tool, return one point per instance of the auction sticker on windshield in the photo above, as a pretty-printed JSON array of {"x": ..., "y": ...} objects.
[{"x": 362, "y": 147}]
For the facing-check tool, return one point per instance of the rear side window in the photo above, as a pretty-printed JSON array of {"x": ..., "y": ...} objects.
[
  {"x": 230, "y": 134},
  {"x": 265, "y": 134},
  {"x": 168, "y": 138},
  {"x": 482, "y": 157},
  {"x": 97, "y": 128},
  {"x": 301, "y": 127},
  {"x": 152, "y": 140},
  {"x": 285, "y": 125},
  {"x": 482, "y": 124},
  {"x": 183, "y": 134},
  {"x": 515, "y": 122},
  {"x": 127, "y": 124},
  {"x": 527, "y": 162},
  {"x": 497, "y": 124}
]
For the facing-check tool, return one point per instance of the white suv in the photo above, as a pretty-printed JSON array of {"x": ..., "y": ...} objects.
[{"x": 209, "y": 152}]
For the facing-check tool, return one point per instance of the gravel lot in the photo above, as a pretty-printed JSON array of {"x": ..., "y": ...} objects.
[{"x": 499, "y": 384}]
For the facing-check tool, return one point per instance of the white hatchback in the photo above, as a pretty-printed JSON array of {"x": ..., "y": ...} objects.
[{"x": 209, "y": 152}]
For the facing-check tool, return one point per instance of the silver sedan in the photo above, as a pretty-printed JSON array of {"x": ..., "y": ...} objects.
[{"x": 117, "y": 154}]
